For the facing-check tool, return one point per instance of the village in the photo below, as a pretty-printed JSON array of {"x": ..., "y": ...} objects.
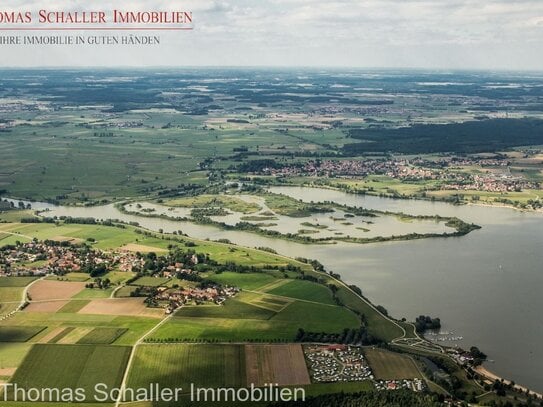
[
  {"x": 42, "y": 258},
  {"x": 445, "y": 170},
  {"x": 494, "y": 183},
  {"x": 177, "y": 297}
]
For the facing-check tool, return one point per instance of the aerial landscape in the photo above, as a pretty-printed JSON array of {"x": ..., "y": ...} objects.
[
  {"x": 326, "y": 203},
  {"x": 343, "y": 231}
]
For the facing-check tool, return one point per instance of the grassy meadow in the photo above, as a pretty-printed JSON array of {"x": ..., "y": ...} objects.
[
  {"x": 75, "y": 366},
  {"x": 179, "y": 365}
]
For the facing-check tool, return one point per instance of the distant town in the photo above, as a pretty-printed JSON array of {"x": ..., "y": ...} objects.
[{"x": 445, "y": 170}]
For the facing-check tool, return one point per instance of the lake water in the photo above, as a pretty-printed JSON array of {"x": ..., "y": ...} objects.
[
  {"x": 485, "y": 286},
  {"x": 329, "y": 224}
]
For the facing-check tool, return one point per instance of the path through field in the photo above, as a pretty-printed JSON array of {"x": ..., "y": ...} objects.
[{"x": 133, "y": 353}]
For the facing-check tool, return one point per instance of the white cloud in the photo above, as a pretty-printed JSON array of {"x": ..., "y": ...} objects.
[{"x": 425, "y": 33}]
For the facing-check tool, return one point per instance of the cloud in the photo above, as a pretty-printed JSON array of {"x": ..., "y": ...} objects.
[{"x": 433, "y": 33}]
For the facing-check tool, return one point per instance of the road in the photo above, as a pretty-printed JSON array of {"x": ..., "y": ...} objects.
[
  {"x": 16, "y": 234},
  {"x": 24, "y": 299},
  {"x": 133, "y": 353}
]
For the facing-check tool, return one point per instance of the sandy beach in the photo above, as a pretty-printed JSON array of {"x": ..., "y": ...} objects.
[{"x": 492, "y": 376}]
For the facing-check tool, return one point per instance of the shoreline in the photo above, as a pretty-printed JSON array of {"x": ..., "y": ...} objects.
[
  {"x": 311, "y": 185},
  {"x": 414, "y": 198},
  {"x": 483, "y": 371},
  {"x": 480, "y": 370},
  {"x": 499, "y": 205}
]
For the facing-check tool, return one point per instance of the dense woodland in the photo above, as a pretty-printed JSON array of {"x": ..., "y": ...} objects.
[
  {"x": 400, "y": 398},
  {"x": 468, "y": 137}
]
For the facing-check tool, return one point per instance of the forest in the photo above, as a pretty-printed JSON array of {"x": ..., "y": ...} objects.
[{"x": 468, "y": 137}]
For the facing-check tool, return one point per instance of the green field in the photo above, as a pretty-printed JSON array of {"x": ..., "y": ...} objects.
[
  {"x": 348, "y": 387},
  {"x": 11, "y": 294},
  {"x": 90, "y": 293},
  {"x": 487, "y": 197},
  {"x": 117, "y": 277},
  {"x": 13, "y": 216},
  {"x": 79, "y": 277},
  {"x": 62, "y": 334},
  {"x": 285, "y": 205},
  {"x": 10, "y": 299},
  {"x": 304, "y": 290},
  {"x": 16, "y": 281},
  {"x": 317, "y": 317},
  {"x": 108, "y": 174},
  {"x": 73, "y": 306},
  {"x": 10, "y": 333},
  {"x": 391, "y": 366},
  {"x": 107, "y": 237},
  {"x": 282, "y": 326},
  {"x": 177, "y": 366},
  {"x": 215, "y": 329},
  {"x": 124, "y": 291},
  {"x": 246, "y": 281},
  {"x": 150, "y": 281},
  {"x": 378, "y": 325},
  {"x": 232, "y": 309},
  {"x": 12, "y": 354},
  {"x": 233, "y": 203},
  {"x": 7, "y": 308},
  {"x": 136, "y": 326},
  {"x": 102, "y": 336},
  {"x": 72, "y": 366}
]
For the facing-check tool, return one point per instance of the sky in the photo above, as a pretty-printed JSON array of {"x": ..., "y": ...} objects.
[{"x": 430, "y": 34}]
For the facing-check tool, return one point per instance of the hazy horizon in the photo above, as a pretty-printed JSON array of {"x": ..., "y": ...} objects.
[
  {"x": 493, "y": 35},
  {"x": 377, "y": 69}
]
